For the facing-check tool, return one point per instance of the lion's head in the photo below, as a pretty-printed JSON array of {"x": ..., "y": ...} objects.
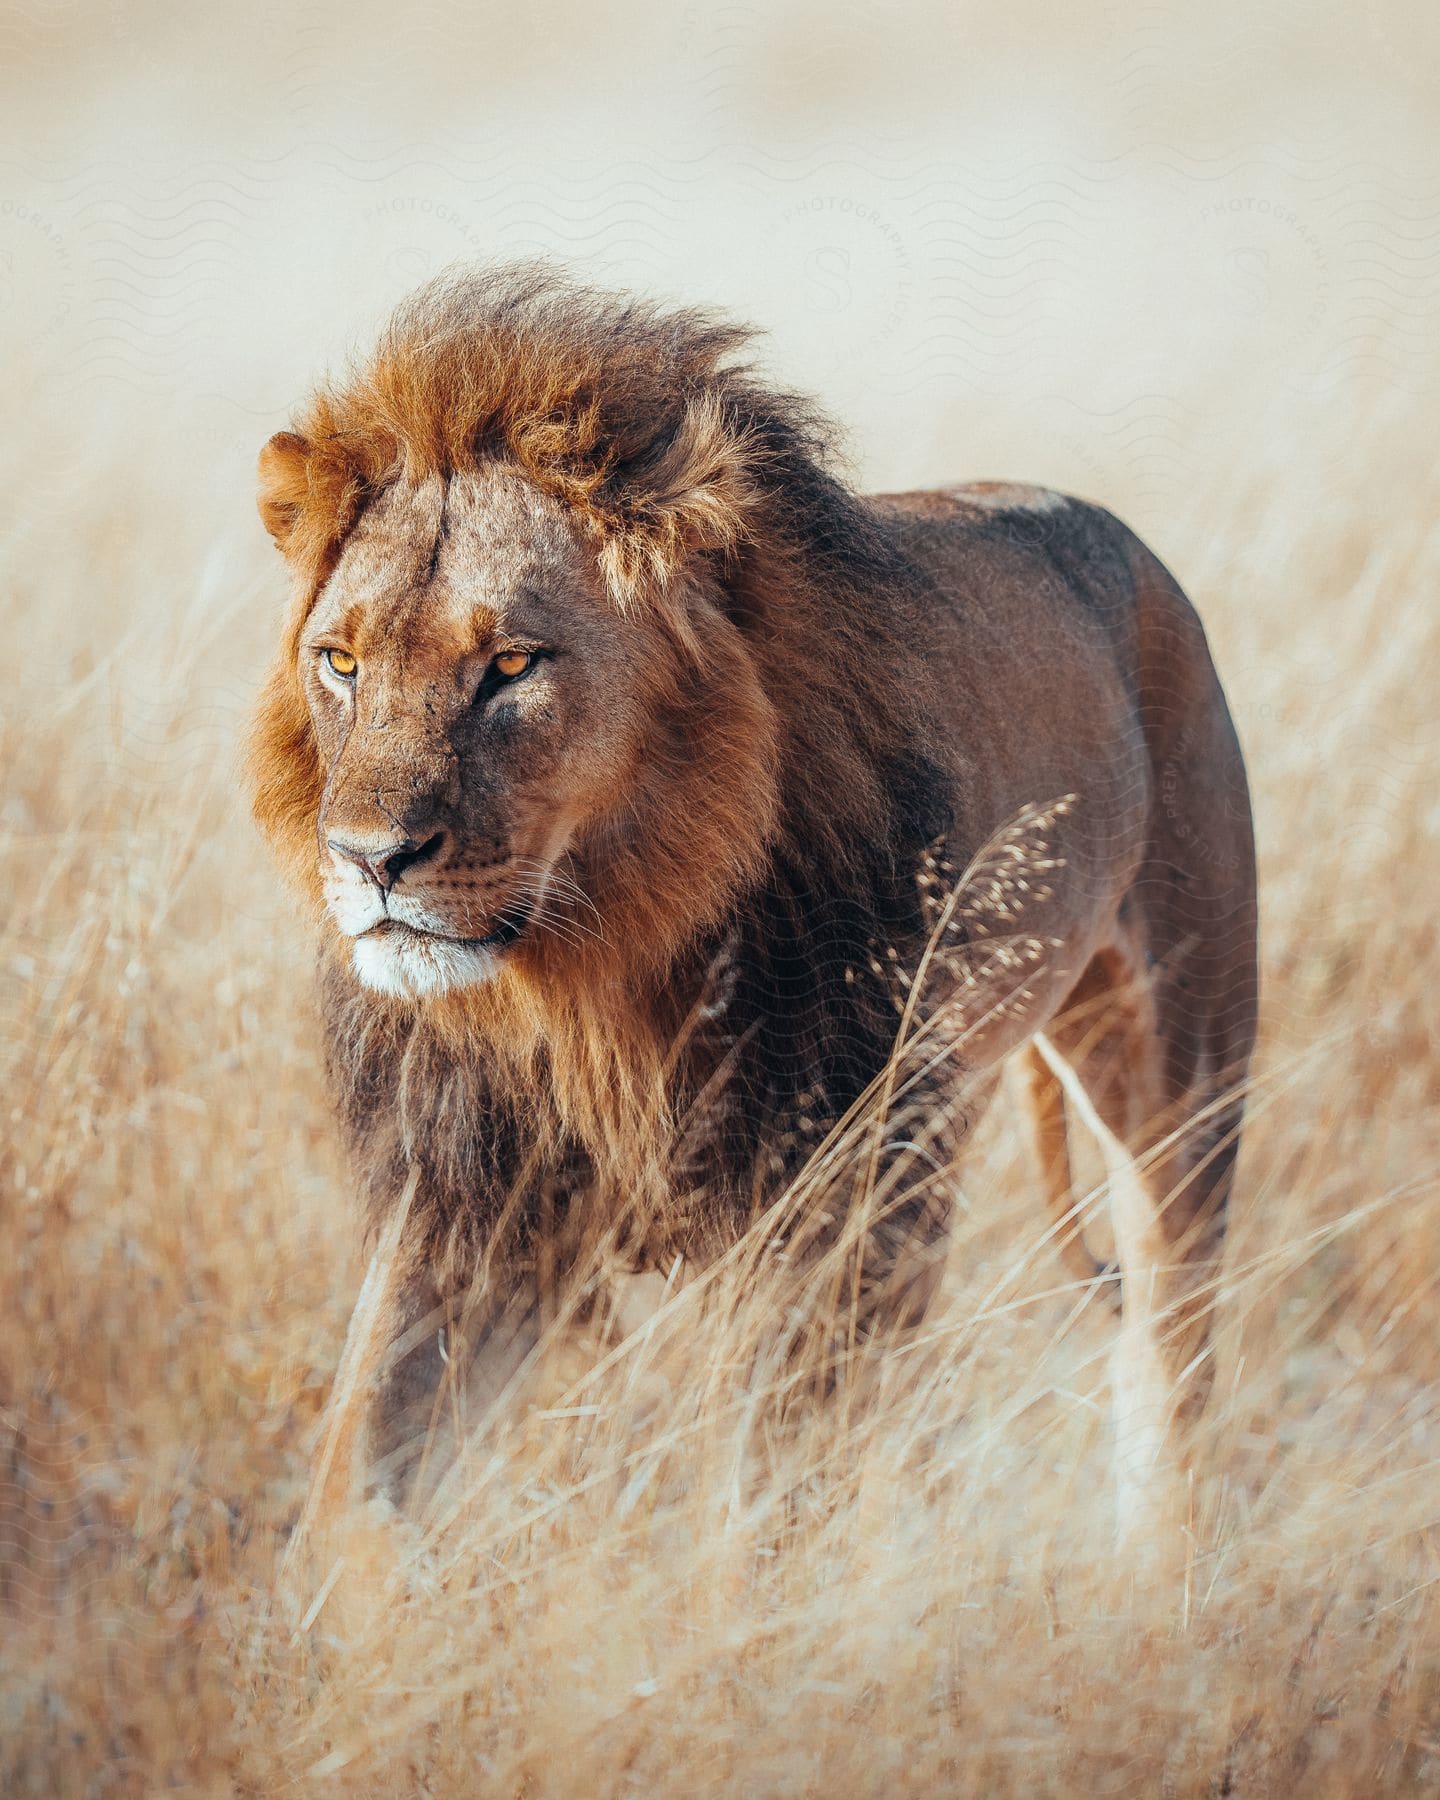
[{"x": 534, "y": 699}]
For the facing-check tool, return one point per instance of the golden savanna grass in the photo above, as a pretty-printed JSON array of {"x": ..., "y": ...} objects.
[{"x": 661, "y": 1567}]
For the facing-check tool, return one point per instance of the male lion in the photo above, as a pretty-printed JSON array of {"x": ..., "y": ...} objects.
[{"x": 633, "y": 759}]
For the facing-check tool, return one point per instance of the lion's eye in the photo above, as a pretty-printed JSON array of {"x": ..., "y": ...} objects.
[
  {"x": 342, "y": 663},
  {"x": 512, "y": 663}
]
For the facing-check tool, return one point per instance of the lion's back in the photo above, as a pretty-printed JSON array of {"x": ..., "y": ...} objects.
[{"x": 1023, "y": 556}]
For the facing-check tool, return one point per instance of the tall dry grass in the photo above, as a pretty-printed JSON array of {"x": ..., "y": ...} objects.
[{"x": 651, "y": 1571}]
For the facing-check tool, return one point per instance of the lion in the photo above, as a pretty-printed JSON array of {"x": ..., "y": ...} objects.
[{"x": 631, "y": 761}]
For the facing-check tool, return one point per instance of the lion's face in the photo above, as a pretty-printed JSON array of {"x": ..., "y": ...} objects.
[{"x": 479, "y": 707}]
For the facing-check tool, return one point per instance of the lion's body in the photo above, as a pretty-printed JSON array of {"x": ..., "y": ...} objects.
[{"x": 829, "y": 707}]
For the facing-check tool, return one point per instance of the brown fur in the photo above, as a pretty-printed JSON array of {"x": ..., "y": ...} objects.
[{"x": 821, "y": 693}]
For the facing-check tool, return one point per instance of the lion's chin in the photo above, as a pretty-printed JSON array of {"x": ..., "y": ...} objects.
[{"x": 414, "y": 965}]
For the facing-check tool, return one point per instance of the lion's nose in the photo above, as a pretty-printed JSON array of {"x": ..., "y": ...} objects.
[{"x": 386, "y": 862}]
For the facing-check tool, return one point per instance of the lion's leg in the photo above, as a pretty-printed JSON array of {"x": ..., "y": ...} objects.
[
  {"x": 1169, "y": 1135},
  {"x": 1188, "y": 924},
  {"x": 1144, "y": 1381},
  {"x": 1169, "y": 1206},
  {"x": 450, "y": 1356},
  {"x": 1103, "y": 1050},
  {"x": 1149, "y": 1461},
  {"x": 908, "y": 1211},
  {"x": 1046, "y": 1098},
  {"x": 403, "y": 1411},
  {"x": 1189, "y": 1174}
]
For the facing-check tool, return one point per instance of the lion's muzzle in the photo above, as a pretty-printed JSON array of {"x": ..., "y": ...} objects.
[{"x": 425, "y": 911}]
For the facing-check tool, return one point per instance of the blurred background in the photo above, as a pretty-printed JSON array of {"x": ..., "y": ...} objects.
[
  {"x": 1100, "y": 245},
  {"x": 1182, "y": 259}
]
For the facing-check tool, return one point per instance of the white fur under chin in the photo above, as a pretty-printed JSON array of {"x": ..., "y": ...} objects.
[{"x": 414, "y": 967}]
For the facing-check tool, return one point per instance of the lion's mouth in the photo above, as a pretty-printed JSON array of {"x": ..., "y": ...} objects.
[{"x": 512, "y": 923}]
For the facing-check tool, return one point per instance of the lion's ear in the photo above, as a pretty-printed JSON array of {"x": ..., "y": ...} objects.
[
  {"x": 698, "y": 494},
  {"x": 702, "y": 489},
  {"x": 284, "y": 471}
]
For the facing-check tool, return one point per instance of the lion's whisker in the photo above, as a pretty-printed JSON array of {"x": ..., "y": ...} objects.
[
  {"x": 544, "y": 895},
  {"x": 566, "y": 927},
  {"x": 554, "y": 876}
]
